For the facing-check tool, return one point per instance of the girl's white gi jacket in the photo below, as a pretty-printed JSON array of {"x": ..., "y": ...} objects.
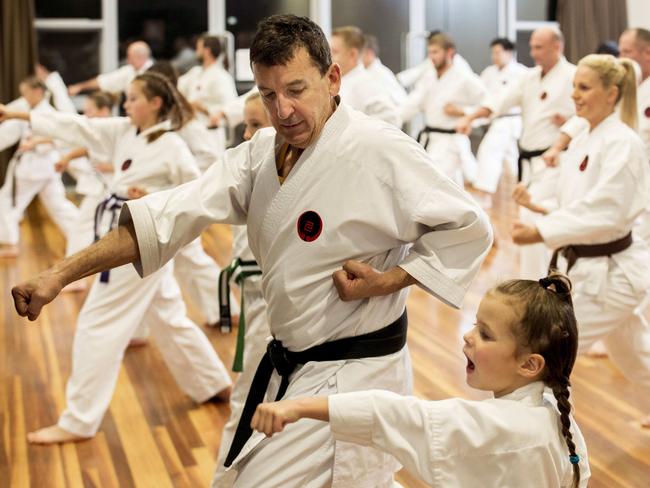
[
  {"x": 513, "y": 441},
  {"x": 161, "y": 164}
]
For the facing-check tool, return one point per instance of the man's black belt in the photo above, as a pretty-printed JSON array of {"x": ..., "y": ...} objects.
[
  {"x": 427, "y": 130},
  {"x": 527, "y": 155},
  {"x": 574, "y": 252},
  {"x": 382, "y": 342}
]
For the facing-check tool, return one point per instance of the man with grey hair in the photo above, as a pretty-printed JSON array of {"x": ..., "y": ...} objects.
[
  {"x": 138, "y": 57},
  {"x": 544, "y": 95}
]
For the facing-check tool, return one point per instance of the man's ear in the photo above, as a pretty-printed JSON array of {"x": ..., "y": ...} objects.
[{"x": 334, "y": 77}]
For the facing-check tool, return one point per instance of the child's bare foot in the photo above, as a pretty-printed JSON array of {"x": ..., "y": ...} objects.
[
  {"x": 645, "y": 422},
  {"x": 53, "y": 435},
  {"x": 597, "y": 350}
]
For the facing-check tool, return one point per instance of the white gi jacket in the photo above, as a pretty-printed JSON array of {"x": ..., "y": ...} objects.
[
  {"x": 35, "y": 165},
  {"x": 118, "y": 81},
  {"x": 400, "y": 204},
  {"x": 457, "y": 86},
  {"x": 540, "y": 98},
  {"x": 206, "y": 145},
  {"x": 643, "y": 103},
  {"x": 387, "y": 79},
  {"x": 603, "y": 185},
  {"x": 404, "y": 200},
  {"x": 419, "y": 74},
  {"x": 154, "y": 166},
  {"x": 212, "y": 86},
  {"x": 496, "y": 80},
  {"x": 364, "y": 93},
  {"x": 512, "y": 441}
]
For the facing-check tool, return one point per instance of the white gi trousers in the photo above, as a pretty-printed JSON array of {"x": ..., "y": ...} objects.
[
  {"x": 50, "y": 192},
  {"x": 498, "y": 145},
  {"x": 83, "y": 233},
  {"x": 541, "y": 181},
  {"x": 305, "y": 455},
  {"x": 453, "y": 156},
  {"x": 198, "y": 275},
  {"x": 256, "y": 338},
  {"x": 111, "y": 313},
  {"x": 612, "y": 315}
]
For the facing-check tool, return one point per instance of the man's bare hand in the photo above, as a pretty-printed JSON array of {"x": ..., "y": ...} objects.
[
  {"x": 358, "y": 280},
  {"x": 31, "y": 296}
]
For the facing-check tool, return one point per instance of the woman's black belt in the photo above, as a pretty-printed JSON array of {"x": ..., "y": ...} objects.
[{"x": 382, "y": 342}]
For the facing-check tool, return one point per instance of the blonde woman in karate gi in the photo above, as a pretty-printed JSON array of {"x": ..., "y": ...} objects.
[
  {"x": 149, "y": 156},
  {"x": 603, "y": 186},
  {"x": 522, "y": 348},
  {"x": 31, "y": 173},
  {"x": 253, "y": 325}
]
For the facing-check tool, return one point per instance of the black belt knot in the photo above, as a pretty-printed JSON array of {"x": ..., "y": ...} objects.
[{"x": 278, "y": 354}]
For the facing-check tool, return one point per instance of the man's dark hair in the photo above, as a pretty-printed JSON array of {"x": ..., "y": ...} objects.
[
  {"x": 608, "y": 47},
  {"x": 504, "y": 42},
  {"x": 279, "y": 36},
  {"x": 212, "y": 44}
]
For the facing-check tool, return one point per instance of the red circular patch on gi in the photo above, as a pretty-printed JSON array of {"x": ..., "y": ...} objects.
[
  {"x": 126, "y": 164},
  {"x": 646, "y": 112},
  {"x": 543, "y": 96},
  {"x": 310, "y": 226},
  {"x": 583, "y": 165}
]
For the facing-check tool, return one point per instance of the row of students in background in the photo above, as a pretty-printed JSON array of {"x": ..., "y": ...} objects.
[{"x": 149, "y": 156}]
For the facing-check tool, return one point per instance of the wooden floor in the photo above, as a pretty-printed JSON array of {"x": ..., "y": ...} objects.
[{"x": 154, "y": 436}]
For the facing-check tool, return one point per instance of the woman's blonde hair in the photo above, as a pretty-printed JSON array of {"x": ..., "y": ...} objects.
[{"x": 618, "y": 72}]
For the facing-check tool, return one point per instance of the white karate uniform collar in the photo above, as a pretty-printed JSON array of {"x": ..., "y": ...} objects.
[
  {"x": 530, "y": 394},
  {"x": 164, "y": 125}
]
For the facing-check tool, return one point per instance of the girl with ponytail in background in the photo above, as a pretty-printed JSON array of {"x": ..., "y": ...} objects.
[{"x": 148, "y": 156}]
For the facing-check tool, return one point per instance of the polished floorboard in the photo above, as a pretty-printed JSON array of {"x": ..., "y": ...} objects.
[{"x": 154, "y": 436}]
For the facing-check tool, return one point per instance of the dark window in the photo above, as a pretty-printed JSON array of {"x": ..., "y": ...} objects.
[
  {"x": 75, "y": 55},
  {"x": 385, "y": 19},
  {"x": 242, "y": 17},
  {"x": 166, "y": 25},
  {"x": 59, "y": 9}
]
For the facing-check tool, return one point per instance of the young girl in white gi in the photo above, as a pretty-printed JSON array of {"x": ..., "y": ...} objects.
[
  {"x": 253, "y": 324},
  {"x": 93, "y": 173},
  {"x": 525, "y": 339},
  {"x": 31, "y": 173},
  {"x": 602, "y": 189},
  {"x": 149, "y": 156}
]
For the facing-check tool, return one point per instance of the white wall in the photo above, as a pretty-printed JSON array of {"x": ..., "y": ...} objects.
[{"x": 638, "y": 13}]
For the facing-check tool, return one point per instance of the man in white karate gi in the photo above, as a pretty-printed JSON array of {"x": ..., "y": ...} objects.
[
  {"x": 544, "y": 95},
  {"x": 344, "y": 212},
  {"x": 358, "y": 89}
]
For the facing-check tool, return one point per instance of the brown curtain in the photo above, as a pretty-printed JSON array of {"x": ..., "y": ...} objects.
[
  {"x": 17, "y": 53},
  {"x": 587, "y": 23}
]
